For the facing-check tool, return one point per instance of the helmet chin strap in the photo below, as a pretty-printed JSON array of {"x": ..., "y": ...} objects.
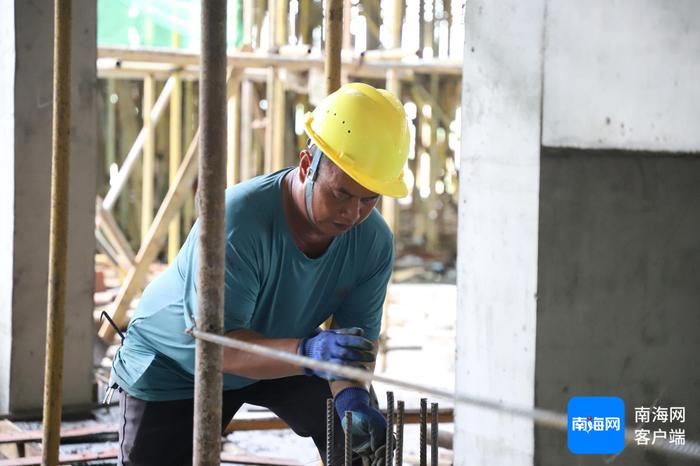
[{"x": 311, "y": 176}]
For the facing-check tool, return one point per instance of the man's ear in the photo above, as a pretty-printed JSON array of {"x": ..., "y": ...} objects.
[{"x": 305, "y": 159}]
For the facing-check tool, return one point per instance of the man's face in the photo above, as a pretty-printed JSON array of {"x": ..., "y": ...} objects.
[{"x": 339, "y": 202}]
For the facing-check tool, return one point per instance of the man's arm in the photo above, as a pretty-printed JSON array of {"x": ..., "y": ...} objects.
[
  {"x": 256, "y": 366},
  {"x": 339, "y": 346}
]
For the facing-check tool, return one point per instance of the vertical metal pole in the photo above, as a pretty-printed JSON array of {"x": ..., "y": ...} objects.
[
  {"x": 348, "y": 438},
  {"x": 421, "y": 27},
  {"x": 333, "y": 31},
  {"x": 393, "y": 85},
  {"x": 330, "y": 417},
  {"x": 399, "y": 433},
  {"x": 58, "y": 249},
  {"x": 389, "y": 428},
  {"x": 234, "y": 130},
  {"x": 149, "y": 155},
  {"x": 210, "y": 276},
  {"x": 175, "y": 156},
  {"x": 433, "y": 434},
  {"x": 175, "y": 152},
  {"x": 423, "y": 431}
]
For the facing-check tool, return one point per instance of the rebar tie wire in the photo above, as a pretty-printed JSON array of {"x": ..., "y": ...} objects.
[{"x": 539, "y": 416}]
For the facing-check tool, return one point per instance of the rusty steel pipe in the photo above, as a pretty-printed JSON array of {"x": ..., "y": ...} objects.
[
  {"x": 210, "y": 276},
  {"x": 434, "y": 434},
  {"x": 330, "y": 440},
  {"x": 399, "y": 432},
  {"x": 348, "y": 438},
  {"x": 333, "y": 36},
  {"x": 58, "y": 242},
  {"x": 389, "y": 428},
  {"x": 423, "y": 431}
]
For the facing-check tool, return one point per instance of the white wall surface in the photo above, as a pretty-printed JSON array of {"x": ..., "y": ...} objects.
[
  {"x": 622, "y": 74},
  {"x": 7, "y": 198},
  {"x": 497, "y": 262},
  {"x": 26, "y": 46}
]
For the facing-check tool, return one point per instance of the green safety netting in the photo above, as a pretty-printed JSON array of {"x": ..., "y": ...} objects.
[{"x": 159, "y": 23}]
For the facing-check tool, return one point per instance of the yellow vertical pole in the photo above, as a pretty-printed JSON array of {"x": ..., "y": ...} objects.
[
  {"x": 431, "y": 232},
  {"x": 233, "y": 129},
  {"x": 190, "y": 123},
  {"x": 333, "y": 31},
  {"x": 304, "y": 27},
  {"x": 347, "y": 38},
  {"x": 149, "y": 155},
  {"x": 58, "y": 245},
  {"x": 175, "y": 153},
  {"x": 274, "y": 142},
  {"x": 245, "y": 99},
  {"x": 389, "y": 208},
  {"x": 393, "y": 85},
  {"x": 111, "y": 124},
  {"x": 333, "y": 37}
]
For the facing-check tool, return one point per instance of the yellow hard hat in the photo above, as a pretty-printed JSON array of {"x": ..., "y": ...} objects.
[{"x": 364, "y": 131}]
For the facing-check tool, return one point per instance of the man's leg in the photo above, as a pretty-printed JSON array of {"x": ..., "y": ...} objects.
[
  {"x": 154, "y": 432},
  {"x": 301, "y": 402},
  {"x": 160, "y": 432}
]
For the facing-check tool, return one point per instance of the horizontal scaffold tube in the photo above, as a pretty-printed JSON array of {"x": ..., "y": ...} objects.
[{"x": 539, "y": 416}]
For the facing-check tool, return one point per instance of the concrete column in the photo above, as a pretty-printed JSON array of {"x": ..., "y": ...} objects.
[
  {"x": 619, "y": 256},
  {"x": 497, "y": 263},
  {"x": 26, "y": 49}
]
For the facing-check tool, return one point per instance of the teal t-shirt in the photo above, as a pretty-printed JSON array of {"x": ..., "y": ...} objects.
[{"x": 270, "y": 287}]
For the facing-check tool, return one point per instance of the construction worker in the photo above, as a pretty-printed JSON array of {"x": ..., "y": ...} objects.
[{"x": 302, "y": 244}]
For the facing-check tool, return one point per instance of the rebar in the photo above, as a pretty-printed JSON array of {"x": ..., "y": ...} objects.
[
  {"x": 542, "y": 417},
  {"x": 210, "y": 274},
  {"x": 399, "y": 433},
  {"x": 433, "y": 434},
  {"x": 58, "y": 244},
  {"x": 389, "y": 428},
  {"x": 423, "y": 431},
  {"x": 348, "y": 438},
  {"x": 330, "y": 418}
]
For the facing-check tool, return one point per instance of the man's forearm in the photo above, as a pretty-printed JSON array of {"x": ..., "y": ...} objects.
[{"x": 256, "y": 366}]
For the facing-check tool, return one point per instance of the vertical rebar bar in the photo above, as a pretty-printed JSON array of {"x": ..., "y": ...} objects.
[
  {"x": 58, "y": 244},
  {"x": 389, "y": 428},
  {"x": 433, "y": 434},
  {"x": 210, "y": 276},
  {"x": 330, "y": 417},
  {"x": 423, "y": 431},
  {"x": 333, "y": 31},
  {"x": 399, "y": 433},
  {"x": 348, "y": 438}
]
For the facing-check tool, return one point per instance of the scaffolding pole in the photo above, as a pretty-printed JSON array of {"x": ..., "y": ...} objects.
[
  {"x": 58, "y": 246},
  {"x": 334, "y": 41},
  {"x": 210, "y": 277}
]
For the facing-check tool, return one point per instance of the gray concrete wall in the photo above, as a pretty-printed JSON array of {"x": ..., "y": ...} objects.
[
  {"x": 622, "y": 74},
  {"x": 618, "y": 288},
  {"x": 25, "y": 128},
  {"x": 497, "y": 242},
  {"x": 609, "y": 268}
]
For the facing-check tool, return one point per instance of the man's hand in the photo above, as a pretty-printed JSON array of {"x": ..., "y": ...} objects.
[
  {"x": 368, "y": 429},
  {"x": 344, "y": 346}
]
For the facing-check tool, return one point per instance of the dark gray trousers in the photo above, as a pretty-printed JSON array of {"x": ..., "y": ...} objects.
[{"x": 160, "y": 432}]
